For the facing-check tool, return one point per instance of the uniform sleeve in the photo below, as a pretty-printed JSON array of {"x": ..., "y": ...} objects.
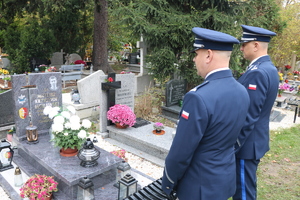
[
  {"x": 192, "y": 124},
  {"x": 256, "y": 84}
]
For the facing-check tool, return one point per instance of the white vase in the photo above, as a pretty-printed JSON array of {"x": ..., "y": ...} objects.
[{"x": 5, "y": 84}]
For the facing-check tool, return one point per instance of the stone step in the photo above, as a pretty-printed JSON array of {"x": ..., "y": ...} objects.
[{"x": 143, "y": 141}]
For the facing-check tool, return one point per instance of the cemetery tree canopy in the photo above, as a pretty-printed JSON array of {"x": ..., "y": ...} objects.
[
  {"x": 287, "y": 43},
  {"x": 166, "y": 27},
  {"x": 51, "y": 26}
]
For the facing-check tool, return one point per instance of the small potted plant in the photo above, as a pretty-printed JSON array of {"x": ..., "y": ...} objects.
[
  {"x": 283, "y": 87},
  {"x": 10, "y": 133},
  {"x": 121, "y": 115},
  {"x": 39, "y": 187},
  {"x": 42, "y": 67},
  {"x": 158, "y": 128},
  {"x": 51, "y": 69}
]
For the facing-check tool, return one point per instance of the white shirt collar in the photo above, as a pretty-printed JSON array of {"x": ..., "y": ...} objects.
[
  {"x": 256, "y": 59},
  {"x": 216, "y": 70}
]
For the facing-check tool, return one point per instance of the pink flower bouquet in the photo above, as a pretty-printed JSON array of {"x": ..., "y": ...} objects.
[
  {"x": 121, "y": 114},
  {"x": 38, "y": 187}
]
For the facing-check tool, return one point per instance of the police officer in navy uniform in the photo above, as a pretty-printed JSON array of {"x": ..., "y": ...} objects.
[
  {"x": 261, "y": 81},
  {"x": 201, "y": 161}
]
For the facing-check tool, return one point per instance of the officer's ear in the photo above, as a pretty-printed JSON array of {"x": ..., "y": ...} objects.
[
  {"x": 256, "y": 46},
  {"x": 209, "y": 56}
]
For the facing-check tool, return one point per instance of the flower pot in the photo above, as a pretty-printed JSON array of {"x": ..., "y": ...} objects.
[
  {"x": 9, "y": 137},
  {"x": 68, "y": 152},
  {"x": 5, "y": 83},
  {"x": 160, "y": 132},
  {"x": 118, "y": 125},
  {"x": 279, "y": 95}
]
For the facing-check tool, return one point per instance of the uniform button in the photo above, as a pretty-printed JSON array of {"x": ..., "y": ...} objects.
[{"x": 167, "y": 188}]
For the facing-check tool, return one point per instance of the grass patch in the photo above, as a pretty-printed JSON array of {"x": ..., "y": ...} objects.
[
  {"x": 279, "y": 171},
  {"x": 278, "y": 174}
]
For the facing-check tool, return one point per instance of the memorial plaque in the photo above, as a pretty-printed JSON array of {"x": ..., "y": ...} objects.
[
  {"x": 31, "y": 94},
  {"x": 6, "y": 108},
  {"x": 175, "y": 90}
]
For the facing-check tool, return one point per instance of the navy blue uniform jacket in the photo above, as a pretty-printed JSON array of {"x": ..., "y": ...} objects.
[
  {"x": 201, "y": 161},
  {"x": 261, "y": 81}
]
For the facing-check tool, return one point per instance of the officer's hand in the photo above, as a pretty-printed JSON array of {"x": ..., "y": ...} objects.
[{"x": 171, "y": 196}]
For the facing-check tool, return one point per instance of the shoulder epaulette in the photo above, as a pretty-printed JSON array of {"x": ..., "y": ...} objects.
[{"x": 199, "y": 86}]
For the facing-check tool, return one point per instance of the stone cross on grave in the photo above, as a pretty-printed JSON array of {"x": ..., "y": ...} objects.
[
  {"x": 28, "y": 87},
  {"x": 110, "y": 86}
]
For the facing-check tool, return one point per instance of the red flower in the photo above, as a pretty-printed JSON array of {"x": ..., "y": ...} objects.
[
  {"x": 110, "y": 79},
  {"x": 287, "y": 67},
  {"x": 80, "y": 62}
]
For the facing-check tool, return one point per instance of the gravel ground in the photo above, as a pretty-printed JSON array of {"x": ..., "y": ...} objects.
[{"x": 156, "y": 172}]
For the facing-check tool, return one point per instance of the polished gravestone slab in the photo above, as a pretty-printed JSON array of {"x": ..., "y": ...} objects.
[{"x": 44, "y": 158}]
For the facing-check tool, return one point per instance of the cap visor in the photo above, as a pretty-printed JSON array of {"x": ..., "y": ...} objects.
[{"x": 194, "y": 50}]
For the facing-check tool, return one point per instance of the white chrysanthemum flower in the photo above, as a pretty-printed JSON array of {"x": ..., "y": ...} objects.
[
  {"x": 59, "y": 119},
  {"x": 57, "y": 128},
  {"x": 67, "y": 125},
  {"x": 82, "y": 134},
  {"x": 66, "y": 134},
  {"x": 86, "y": 123},
  {"x": 75, "y": 126},
  {"x": 66, "y": 114},
  {"x": 71, "y": 109},
  {"x": 56, "y": 108},
  {"x": 47, "y": 110},
  {"x": 52, "y": 113},
  {"x": 74, "y": 119}
]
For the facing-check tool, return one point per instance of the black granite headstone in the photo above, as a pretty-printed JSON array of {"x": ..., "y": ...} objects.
[
  {"x": 111, "y": 87},
  {"x": 175, "y": 90},
  {"x": 31, "y": 94},
  {"x": 6, "y": 108}
]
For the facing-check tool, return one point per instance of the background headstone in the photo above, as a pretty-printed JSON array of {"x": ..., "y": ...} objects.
[
  {"x": 89, "y": 88},
  {"x": 124, "y": 95},
  {"x": 47, "y": 91},
  {"x": 57, "y": 59},
  {"x": 175, "y": 90},
  {"x": 72, "y": 58},
  {"x": 6, "y": 63},
  {"x": 6, "y": 108}
]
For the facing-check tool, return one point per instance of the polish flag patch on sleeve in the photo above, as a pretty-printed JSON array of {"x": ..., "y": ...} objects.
[
  {"x": 185, "y": 115},
  {"x": 252, "y": 87}
]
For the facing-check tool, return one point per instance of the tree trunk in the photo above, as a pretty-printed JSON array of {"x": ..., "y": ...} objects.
[{"x": 99, "y": 60}]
